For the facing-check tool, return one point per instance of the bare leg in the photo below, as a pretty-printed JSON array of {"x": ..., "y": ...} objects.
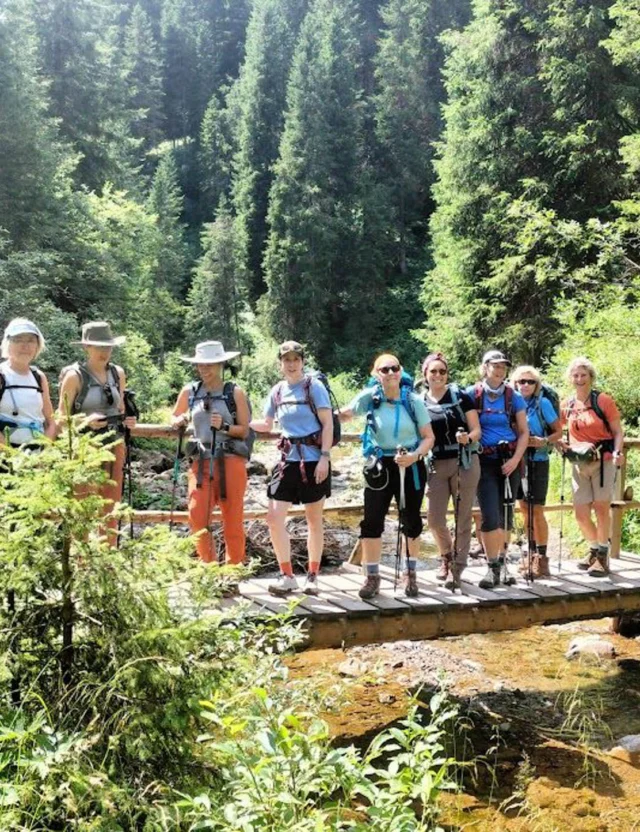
[
  {"x": 587, "y": 526},
  {"x": 315, "y": 533},
  {"x": 276, "y": 520}
]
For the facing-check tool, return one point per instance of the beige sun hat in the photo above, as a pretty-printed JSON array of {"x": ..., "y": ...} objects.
[
  {"x": 99, "y": 334},
  {"x": 210, "y": 352}
]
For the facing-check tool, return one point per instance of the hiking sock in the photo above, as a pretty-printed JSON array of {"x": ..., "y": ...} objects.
[
  {"x": 373, "y": 568},
  {"x": 411, "y": 564},
  {"x": 314, "y": 567},
  {"x": 287, "y": 569},
  {"x": 542, "y": 549},
  {"x": 603, "y": 550}
]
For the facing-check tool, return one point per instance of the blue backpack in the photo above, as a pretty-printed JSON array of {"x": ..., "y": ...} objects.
[{"x": 370, "y": 446}]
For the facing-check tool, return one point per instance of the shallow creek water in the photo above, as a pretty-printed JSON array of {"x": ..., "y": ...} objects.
[{"x": 545, "y": 772}]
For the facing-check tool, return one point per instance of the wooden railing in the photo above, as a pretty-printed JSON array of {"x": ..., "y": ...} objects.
[{"x": 618, "y": 506}]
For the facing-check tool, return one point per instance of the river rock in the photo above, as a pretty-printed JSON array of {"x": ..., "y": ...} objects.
[
  {"x": 592, "y": 647},
  {"x": 627, "y": 749},
  {"x": 353, "y": 668}
]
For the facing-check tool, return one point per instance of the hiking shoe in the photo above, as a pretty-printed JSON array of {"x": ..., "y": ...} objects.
[
  {"x": 587, "y": 562},
  {"x": 476, "y": 551},
  {"x": 506, "y": 579},
  {"x": 453, "y": 581},
  {"x": 283, "y": 585},
  {"x": 600, "y": 567},
  {"x": 445, "y": 565},
  {"x": 492, "y": 578},
  {"x": 540, "y": 567},
  {"x": 311, "y": 584},
  {"x": 410, "y": 583},
  {"x": 370, "y": 588}
]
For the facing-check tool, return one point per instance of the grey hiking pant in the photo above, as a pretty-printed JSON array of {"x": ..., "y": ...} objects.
[{"x": 441, "y": 486}]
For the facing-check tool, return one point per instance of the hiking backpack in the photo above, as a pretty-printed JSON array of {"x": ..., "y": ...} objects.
[
  {"x": 85, "y": 381},
  {"x": 478, "y": 395},
  {"x": 369, "y": 445},
  {"x": 230, "y": 401},
  {"x": 593, "y": 401},
  {"x": 309, "y": 376},
  {"x": 547, "y": 392},
  {"x": 454, "y": 404}
]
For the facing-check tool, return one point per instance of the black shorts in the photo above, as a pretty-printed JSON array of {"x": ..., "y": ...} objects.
[
  {"x": 290, "y": 487},
  {"x": 538, "y": 473}
]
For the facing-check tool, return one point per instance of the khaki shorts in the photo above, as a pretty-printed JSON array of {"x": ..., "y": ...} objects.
[{"x": 585, "y": 482}]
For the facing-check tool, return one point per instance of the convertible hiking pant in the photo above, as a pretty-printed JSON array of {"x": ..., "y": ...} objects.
[{"x": 442, "y": 486}]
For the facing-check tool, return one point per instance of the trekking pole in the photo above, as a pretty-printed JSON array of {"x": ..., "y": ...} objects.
[
  {"x": 530, "y": 509},
  {"x": 503, "y": 454},
  {"x": 176, "y": 473},
  {"x": 210, "y": 493},
  {"x": 564, "y": 465},
  {"x": 130, "y": 409},
  {"x": 401, "y": 507},
  {"x": 456, "y": 508}
]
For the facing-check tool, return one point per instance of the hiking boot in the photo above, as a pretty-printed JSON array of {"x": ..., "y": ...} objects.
[
  {"x": 445, "y": 565},
  {"x": 453, "y": 581},
  {"x": 587, "y": 562},
  {"x": 283, "y": 585},
  {"x": 492, "y": 578},
  {"x": 506, "y": 579},
  {"x": 370, "y": 588},
  {"x": 311, "y": 584},
  {"x": 600, "y": 567},
  {"x": 523, "y": 569},
  {"x": 411, "y": 583},
  {"x": 540, "y": 567}
]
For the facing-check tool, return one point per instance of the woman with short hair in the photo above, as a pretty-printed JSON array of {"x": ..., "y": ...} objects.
[
  {"x": 545, "y": 429},
  {"x": 219, "y": 412},
  {"x": 397, "y": 438},
  {"x": 302, "y": 406},
  {"x": 455, "y": 466},
  {"x": 505, "y": 436},
  {"x": 26, "y": 411},
  {"x": 595, "y": 447},
  {"x": 95, "y": 388}
]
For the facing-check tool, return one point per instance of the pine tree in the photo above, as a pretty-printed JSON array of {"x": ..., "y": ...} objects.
[
  {"x": 313, "y": 205},
  {"x": 215, "y": 156},
  {"x": 216, "y": 299},
  {"x": 261, "y": 96},
  {"x": 166, "y": 203},
  {"x": 142, "y": 69}
]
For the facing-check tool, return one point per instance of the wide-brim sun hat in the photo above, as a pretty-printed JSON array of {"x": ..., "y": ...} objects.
[
  {"x": 495, "y": 357},
  {"x": 99, "y": 334},
  {"x": 210, "y": 352},
  {"x": 22, "y": 326}
]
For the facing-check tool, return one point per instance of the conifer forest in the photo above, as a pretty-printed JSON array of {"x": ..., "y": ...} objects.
[{"x": 361, "y": 174}]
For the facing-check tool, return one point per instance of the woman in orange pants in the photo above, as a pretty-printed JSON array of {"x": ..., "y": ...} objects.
[{"x": 220, "y": 414}]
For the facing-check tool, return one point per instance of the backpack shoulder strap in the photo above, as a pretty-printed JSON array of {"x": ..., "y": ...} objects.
[
  {"x": 478, "y": 394},
  {"x": 85, "y": 380},
  {"x": 595, "y": 395},
  {"x": 308, "y": 380},
  {"x": 115, "y": 375},
  {"x": 38, "y": 376},
  {"x": 193, "y": 393},
  {"x": 508, "y": 400},
  {"x": 407, "y": 401},
  {"x": 229, "y": 398}
]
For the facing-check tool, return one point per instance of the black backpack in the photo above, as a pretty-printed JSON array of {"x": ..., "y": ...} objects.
[{"x": 230, "y": 401}]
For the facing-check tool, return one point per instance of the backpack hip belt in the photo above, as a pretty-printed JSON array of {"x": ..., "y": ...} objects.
[
  {"x": 285, "y": 445},
  {"x": 492, "y": 450}
]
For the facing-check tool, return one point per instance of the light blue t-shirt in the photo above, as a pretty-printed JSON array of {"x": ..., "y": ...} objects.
[
  {"x": 549, "y": 416},
  {"x": 495, "y": 422},
  {"x": 294, "y": 415},
  {"x": 394, "y": 425}
]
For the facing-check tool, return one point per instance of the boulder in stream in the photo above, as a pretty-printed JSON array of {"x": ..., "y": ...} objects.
[{"x": 590, "y": 647}]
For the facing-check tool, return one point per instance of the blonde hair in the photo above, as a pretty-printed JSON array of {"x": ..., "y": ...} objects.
[
  {"x": 382, "y": 359},
  {"x": 527, "y": 370},
  {"x": 4, "y": 346},
  {"x": 581, "y": 361}
]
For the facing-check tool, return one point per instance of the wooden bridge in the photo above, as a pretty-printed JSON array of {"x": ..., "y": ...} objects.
[{"x": 338, "y": 616}]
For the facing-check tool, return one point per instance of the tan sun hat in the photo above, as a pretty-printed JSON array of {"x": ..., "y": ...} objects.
[
  {"x": 99, "y": 334},
  {"x": 210, "y": 352}
]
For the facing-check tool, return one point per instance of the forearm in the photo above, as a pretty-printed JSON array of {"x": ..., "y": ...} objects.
[{"x": 522, "y": 445}]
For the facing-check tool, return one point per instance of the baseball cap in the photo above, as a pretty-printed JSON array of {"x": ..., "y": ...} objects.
[
  {"x": 495, "y": 357},
  {"x": 22, "y": 326},
  {"x": 290, "y": 346}
]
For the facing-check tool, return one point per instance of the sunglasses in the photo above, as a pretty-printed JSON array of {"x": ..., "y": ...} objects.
[
  {"x": 393, "y": 368},
  {"x": 438, "y": 372},
  {"x": 526, "y": 381},
  {"x": 108, "y": 394}
]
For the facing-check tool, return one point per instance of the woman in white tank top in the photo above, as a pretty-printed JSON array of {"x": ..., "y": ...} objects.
[{"x": 25, "y": 405}]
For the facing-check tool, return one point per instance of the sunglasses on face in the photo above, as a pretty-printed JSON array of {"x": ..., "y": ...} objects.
[
  {"x": 437, "y": 372},
  {"x": 526, "y": 381},
  {"x": 393, "y": 368}
]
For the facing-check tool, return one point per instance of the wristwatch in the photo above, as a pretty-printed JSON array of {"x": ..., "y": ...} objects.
[
  {"x": 326, "y": 454},
  {"x": 225, "y": 426}
]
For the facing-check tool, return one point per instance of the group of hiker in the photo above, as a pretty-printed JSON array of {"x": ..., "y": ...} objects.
[{"x": 480, "y": 448}]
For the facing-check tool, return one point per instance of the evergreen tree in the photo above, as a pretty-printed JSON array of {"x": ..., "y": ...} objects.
[
  {"x": 313, "y": 211},
  {"x": 261, "y": 95},
  {"x": 216, "y": 300},
  {"x": 215, "y": 156},
  {"x": 34, "y": 183},
  {"x": 166, "y": 203},
  {"x": 522, "y": 122},
  {"x": 142, "y": 68}
]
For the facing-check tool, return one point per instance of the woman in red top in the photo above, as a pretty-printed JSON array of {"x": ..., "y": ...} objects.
[{"x": 594, "y": 427}]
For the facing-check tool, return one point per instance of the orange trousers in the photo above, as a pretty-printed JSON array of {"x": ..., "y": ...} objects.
[
  {"x": 110, "y": 491},
  {"x": 232, "y": 507}
]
